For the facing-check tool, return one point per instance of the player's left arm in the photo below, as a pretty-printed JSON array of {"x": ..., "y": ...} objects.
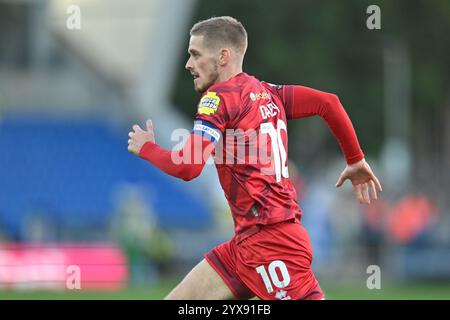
[{"x": 303, "y": 102}]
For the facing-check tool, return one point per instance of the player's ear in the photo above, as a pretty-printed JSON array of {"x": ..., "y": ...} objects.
[{"x": 224, "y": 56}]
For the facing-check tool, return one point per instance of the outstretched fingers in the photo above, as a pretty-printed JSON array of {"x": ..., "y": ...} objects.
[
  {"x": 373, "y": 190},
  {"x": 375, "y": 179},
  {"x": 358, "y": 193},
  {"x": 365, "y": 193}
]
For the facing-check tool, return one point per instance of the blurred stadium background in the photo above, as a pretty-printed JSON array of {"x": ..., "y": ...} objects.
[{"x": 71, "y": 195}]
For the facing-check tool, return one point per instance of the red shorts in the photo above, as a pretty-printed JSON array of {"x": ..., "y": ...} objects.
[{"x": 274, "y": 263}]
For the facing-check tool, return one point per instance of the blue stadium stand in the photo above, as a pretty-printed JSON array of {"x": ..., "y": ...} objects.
[{"x": 70, "y": 170}]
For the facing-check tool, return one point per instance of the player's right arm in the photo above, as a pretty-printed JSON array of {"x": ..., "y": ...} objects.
[{"x": 185, "y": 163}]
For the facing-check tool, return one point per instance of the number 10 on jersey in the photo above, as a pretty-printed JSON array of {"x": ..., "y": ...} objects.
[{"x": 278, "y": 151}]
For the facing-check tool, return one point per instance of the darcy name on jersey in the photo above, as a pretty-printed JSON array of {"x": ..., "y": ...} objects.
[{"x": 209, "y": 103}]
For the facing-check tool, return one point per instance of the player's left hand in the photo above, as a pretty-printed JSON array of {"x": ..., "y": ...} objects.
[
  {"x": 362, "y": 178},
  {"x": 138, "y": 137}
]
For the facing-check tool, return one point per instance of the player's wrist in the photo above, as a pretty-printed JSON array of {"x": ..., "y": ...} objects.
[
  {"x": 355, "y": 159},
  {"x": 146, "y": 148}
]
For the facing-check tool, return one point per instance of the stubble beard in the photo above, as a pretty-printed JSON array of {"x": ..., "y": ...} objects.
[{"x": 212, "y": 79}]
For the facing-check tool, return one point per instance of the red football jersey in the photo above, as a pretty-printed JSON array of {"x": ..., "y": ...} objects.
[{"x": 247, "y": 120}]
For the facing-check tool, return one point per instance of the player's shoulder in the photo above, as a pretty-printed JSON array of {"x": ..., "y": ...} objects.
[
  {"x": 230, "y": 92},
  {"x": 276, "y": 88},
  {"x": 233, "y": 86}
]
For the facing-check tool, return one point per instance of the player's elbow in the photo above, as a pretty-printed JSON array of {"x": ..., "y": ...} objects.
[
  {"x": 189, "y": 177},
  {"x": 332, "y": 100},
  {"x": 190, "y": 173}
]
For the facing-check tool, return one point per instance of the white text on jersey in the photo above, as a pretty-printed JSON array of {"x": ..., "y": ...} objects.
[{"x": 268, "y": 111}]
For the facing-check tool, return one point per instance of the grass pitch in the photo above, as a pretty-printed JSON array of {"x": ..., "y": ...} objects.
[{"x": 407, "y": 291}]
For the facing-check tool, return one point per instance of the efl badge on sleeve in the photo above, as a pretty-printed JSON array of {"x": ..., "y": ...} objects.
[{"x": 209, "y": 103}]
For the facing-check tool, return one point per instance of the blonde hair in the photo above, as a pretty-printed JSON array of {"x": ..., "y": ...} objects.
[{"x": 222, "y": 31}]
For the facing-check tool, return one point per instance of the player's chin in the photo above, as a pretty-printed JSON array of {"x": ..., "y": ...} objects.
[
  {"x": 199, "y": 88},
  {"x": 198, "y": 85}
]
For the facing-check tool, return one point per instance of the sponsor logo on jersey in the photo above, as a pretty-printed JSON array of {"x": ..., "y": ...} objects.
[
  {"x": 282, "y": 295},
  {"x": 209, "y": 103},
  {"x": 259, "y": 96}
]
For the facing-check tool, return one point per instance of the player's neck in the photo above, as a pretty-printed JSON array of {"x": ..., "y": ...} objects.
[{"x": 228, "y": 74}]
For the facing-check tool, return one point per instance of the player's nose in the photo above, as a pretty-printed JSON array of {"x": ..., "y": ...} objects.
[{"x": 188, "y": 65}]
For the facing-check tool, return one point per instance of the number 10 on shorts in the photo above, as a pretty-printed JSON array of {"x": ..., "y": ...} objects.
[{"x": 272, "y": 277}]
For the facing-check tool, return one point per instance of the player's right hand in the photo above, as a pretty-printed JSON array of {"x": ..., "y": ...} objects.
[{"x": 138, "y": 137}]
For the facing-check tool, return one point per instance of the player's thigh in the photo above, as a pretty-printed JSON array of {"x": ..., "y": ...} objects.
[
  {"x": 281, "y": 263},
  {"x": 201, "y": 283}
]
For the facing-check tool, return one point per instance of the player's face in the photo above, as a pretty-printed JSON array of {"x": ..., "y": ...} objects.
[{"x": 202, "y": 63}]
